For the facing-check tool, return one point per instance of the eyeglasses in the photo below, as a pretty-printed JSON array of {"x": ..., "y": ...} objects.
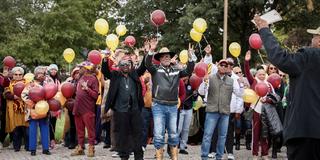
[
  {"x": 281, "y": 75},
  {"x": 18, "y": 74},
  {"x": 272, "y": 68},
  {"x": 238, "y": 72}
]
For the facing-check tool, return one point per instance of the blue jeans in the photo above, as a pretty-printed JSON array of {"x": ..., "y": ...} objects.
[
  {"x": 185, "y": 118},
  {"x": 165, "y": 117},
  {"x": 213, "y": 119},
  {"x": 33, "y": 130},
  {"x": 147, "y": 117}
]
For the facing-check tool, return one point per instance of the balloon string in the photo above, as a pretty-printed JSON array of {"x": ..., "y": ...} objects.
[
  {"x": 238, "y": 62},
  {"x": 204, "y": 37},
  {"x": 260, "y": 56},
  {"x": 200, "y": 50},
  {"x": 157, "y": 33}
]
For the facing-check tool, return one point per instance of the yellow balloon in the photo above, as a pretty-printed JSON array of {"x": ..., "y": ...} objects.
[
  {"x": 42, "y": 107},
  {"x": 183, "y": 56},
  {"x": 250, "y": 96},
  {"x": 101, "y": 26},
  {"x": 112, "y": 41},
  {"x": 200, "y": 25},
  {"x": 60, "y": 98},
  {"x": 68, "y": 55},
  {"x": 196, "y": 36},
  {"x": 28, "y": 77},
  {"x": 235, "y": 49},
  {"x": 121, "y": 30},
  {"x": 198, "y": 103}
]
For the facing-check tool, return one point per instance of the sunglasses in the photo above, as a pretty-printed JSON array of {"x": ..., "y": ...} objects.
[
  {"x": 125, "y": 64},
  {"x": 18, "y": 74},
  {"x": 281, "y": 75},
  {"x": 238, "y": 72},
  {"x": 272, "y": 68}
]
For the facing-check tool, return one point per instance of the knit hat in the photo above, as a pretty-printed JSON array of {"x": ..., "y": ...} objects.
[
  {"x": 53, "y": 66},
  {"x": 86, "y": 64}
]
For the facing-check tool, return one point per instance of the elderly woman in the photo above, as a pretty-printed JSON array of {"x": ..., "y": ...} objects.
[
  {"x": 34, "y": 118},
  {"x": 16, "y": 111}
]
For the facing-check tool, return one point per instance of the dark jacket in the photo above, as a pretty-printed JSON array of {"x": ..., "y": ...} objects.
[
  {"x": 115, "y": 76},
  {"x": 165, "y": 81},
  {"x": 303, "y": 112}
]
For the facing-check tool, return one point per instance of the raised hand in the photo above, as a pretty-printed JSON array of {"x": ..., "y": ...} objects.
[
  {"x": 153, "y": 44},
  {"x": 248, "y": 56},
  {"x": 260, "y": 23}
]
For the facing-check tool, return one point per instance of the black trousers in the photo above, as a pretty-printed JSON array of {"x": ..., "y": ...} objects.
[
  {"x": 128, "y": 134},
  {"x": 52, "y": 127},
  {"x": 303, "y": 148},
  {"x": 19, "y": 133},
  {"x": 71, "y": 135}
]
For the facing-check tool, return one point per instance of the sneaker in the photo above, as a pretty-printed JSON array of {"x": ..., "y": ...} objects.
[
  {"x": 182, "y": 151},
  {"x": 230, "y": 156},
  {"x": 212, "y": 155},
  {"x": 115, "y": 155},
  {"x": 255, "y": 158},
  {"x": 265, "y": 157}
]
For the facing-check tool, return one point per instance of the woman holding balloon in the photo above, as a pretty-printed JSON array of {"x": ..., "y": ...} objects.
[
  {"x": 34, "y": 93},
  {"x": 15, "y": 113},
  {"x": 260, "y": 84}
]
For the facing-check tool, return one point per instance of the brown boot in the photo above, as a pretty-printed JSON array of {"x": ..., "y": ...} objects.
[
  {"x": 78, "y": 151},
  {"x": 159, "y": 154},
  {"x": 91, "y": 151},
  {"x": 174, "y": 153}
]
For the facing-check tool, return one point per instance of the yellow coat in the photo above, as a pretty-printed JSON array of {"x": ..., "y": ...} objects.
[{"x": 16, "y": 111}]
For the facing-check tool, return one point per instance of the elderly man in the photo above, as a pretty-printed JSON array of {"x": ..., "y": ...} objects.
[
  {"x": 301, "y": 130},
  {"x": 219, "y": 93},
  {"x": 165, "y": 85}
]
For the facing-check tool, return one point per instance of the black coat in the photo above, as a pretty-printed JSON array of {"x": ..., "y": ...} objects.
[
  {"x": 115, "y": 76},
  {"x": 303, "y": 112}
]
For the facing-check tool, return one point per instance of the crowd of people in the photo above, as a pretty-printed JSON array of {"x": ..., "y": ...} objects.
[{"x": 138, "y": 98}]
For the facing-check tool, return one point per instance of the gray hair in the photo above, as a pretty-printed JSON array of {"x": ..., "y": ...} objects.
[
  {"x": 15, "y": 69},
  {"x": 39, "y": 69}
]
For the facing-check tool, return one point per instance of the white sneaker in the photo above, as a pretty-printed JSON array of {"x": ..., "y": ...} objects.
[
  {"x": 115, "y": 155},
  {"x": 265, "y": 157},
  {"x": 230, "y": 156},
  {"x": 255, "y": 158},
  {"x": 212, "y": 155}
]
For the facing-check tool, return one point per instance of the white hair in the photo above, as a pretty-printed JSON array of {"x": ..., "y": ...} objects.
[{"x": 15, "y": 69}]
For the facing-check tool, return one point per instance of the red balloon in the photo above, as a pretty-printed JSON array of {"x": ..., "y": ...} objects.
[
  {"x": 158, "y": 17},
  {"x": 36, "y": 94},
  {"x": 50, "y": 90},
  {"x": 275, "y": 80},
  {"x": 54, "y": 105},
  {"x": 9, "y": 61},
  {"x": 130, "y": 41},
  {"x": 201, "y": 69},
  {"x": 195, "y": 81},
  {"x": 255, "y": 41},
  {"x": 69, "y": 104},
  {"x": 261, "y": 89},
  {"x": 18, "y": 88},
  {"x": 94, "y": 57},
  {"x": 67, "y": 89}
]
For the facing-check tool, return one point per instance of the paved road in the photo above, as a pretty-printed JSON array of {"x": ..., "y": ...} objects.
[{"x": 62, "y": 153}]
